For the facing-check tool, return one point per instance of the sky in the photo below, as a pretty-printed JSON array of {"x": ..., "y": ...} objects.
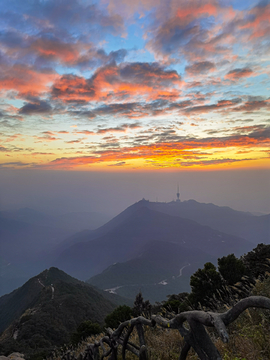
[{"x": 135, "y": 87}]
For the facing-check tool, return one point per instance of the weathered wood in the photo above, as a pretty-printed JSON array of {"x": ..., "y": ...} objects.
[
  {"x": 125, "y": 341},
  {"x": 252, "y": 301},
  {"x": 195, "y": 337},
  {"x": 143, "y": 353},
  {"x": 184, "y": 351}
]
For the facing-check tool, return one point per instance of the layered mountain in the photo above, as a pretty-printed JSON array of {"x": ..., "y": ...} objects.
[
  {"x": 75, "y": 221},
  {"x": 22, "y": 241},
  {"x": 45, "y": 311},
  {"x": 124, "y": 237},
  {"x": 162, "y": 268},
  {"x": 255, "y": 229},
  {"x": 22, "y": 249},
  {"x": 251, "y": 227}
]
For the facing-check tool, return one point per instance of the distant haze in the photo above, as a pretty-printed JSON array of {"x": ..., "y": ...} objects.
[{"x": 110, "y": 193}]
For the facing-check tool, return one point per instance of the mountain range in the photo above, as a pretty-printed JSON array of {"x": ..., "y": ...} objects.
[
  {"x": 125, "y": 241},
  {"x": 28, "y": 237},
  {"x": 47, "y": 309},
  {"x": 124, "y": 255},
  {"x": 114, "y": 255}
]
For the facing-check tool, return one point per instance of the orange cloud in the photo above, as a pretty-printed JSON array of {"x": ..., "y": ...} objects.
[
  {"x": 237, "y": 74},
  {"x": 71, "y": 88},
  {"x": 172, "y": 151},
  {"x": 197, "y": 9},
  {"x": 260, "y": 23},
  {"x": 112, "y": 83},
  {"x": 25, "y": 80},
  {"x": 47, "y": 136}
]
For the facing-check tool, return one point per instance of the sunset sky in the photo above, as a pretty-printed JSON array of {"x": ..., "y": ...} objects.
[{"x": 134, "y": 85}]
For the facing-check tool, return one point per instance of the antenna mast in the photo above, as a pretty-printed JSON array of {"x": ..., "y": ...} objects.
[{"x": 178, "y": 193}]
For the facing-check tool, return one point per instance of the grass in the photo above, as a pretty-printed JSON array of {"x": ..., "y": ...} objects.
[{"x": 249, "y": 337}]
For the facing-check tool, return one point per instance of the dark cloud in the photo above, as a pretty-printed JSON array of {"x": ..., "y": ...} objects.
[
  {"x": 251, "y": 106},
  {"x": 126, "y": 109},
  {"x": 121, "y": 163},
  {"x": 173, "y": 35},
  {"x": 151, "y": 74},
  {"x": 117, "y": 56},
  {"x": 120, "y": 128},
  {"x": 260, "y": 133},
  {"x": 12, "y": 38},
  {"x": 16, "y": 163},
  {"x": 37, "y": 107},
  {"x": 3, "y": 149},
  {"x": 212, "y": 162},
  {"x": 67, "y": 15},
  {"x": 47, "y": 136},
  {"x": 207, "y": 108},
  {"x": 198, "y": 68}
]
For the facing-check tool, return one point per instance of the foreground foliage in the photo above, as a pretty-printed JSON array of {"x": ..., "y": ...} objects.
[{"x": 191, "y": 326}]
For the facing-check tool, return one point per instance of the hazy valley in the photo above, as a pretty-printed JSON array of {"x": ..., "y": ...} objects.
[
  {"x": 151, "y": 247},
  {"x": 144, "y": 247}
]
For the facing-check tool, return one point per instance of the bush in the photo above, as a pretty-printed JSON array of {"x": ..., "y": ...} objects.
[
  {"x": 119, "y": 315},
  {"x": 84, "y": 330},
  {"x": 231, "y": 268}
]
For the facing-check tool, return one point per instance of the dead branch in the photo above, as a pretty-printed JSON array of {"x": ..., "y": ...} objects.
[{"x": 196, "y": 336}]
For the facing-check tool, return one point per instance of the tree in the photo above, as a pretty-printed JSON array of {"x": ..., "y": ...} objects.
[
  {"x": 120, "y": 314},
  {"x": 84, "y": 330},
  {"x": 205, "y": 283},
  {"x": 231, "y": 269},
  {"x": 141, "y": 307},
  {"x": 257, "y": 261},
  {"x": 177, "y": 303}
]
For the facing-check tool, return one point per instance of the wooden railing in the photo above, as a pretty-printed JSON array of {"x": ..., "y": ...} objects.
[{"x": 195, "y": 336}]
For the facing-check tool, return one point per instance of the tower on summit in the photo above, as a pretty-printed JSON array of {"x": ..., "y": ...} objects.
[{"x": 178, "y": 193}]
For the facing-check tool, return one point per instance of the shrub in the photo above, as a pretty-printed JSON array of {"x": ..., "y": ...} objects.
[
  {"x": 120, "y": 314},
  {"x": 84, "y": 330}
]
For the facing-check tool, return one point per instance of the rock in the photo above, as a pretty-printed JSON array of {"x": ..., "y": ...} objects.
[
  {"x": 2, "y": 357},
  {"x": 16, "y": 356}
]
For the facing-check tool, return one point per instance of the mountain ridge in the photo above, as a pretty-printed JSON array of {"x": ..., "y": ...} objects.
[
  {"x": 139, "y": 227},
  {"x": 47, "y": 309}
]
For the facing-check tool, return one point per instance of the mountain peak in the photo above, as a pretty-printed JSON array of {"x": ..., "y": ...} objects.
[{"x": 54, "y": 275}]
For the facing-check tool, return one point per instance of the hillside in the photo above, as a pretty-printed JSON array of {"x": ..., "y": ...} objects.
[
  {"x": 124, "y": 242},
  {"x": 248, "y": 339},
  {"x": 162, "y": 268},
  {"x": 255, "y": 229},
  {"x": 46, "y": 310}
]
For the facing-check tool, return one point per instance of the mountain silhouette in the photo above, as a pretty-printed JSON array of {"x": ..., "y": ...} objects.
[
  {"x": 45, "y": 311},
  {"x": 124, "y": 236}
]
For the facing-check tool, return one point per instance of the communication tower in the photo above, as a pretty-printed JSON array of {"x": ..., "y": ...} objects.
[{"x": 178, "y": 194}]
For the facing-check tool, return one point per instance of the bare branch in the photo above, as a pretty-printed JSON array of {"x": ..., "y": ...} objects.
[
  {"x": 252, "y": 301},
  {"x": 195, "y": 337}
]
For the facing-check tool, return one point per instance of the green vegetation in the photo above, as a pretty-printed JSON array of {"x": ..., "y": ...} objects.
[
  {"x": 84, "y": 330},
  {"x": 231, "y": 269},
  {"x": 204, "y": 283},
  {"x": 48, "y": 322},
  {"x": 120, "y": 314},
  {"x": 76, "y": 313},
  {"x": 249, "y": 337},
  {"x": 233, "y": 280}
]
